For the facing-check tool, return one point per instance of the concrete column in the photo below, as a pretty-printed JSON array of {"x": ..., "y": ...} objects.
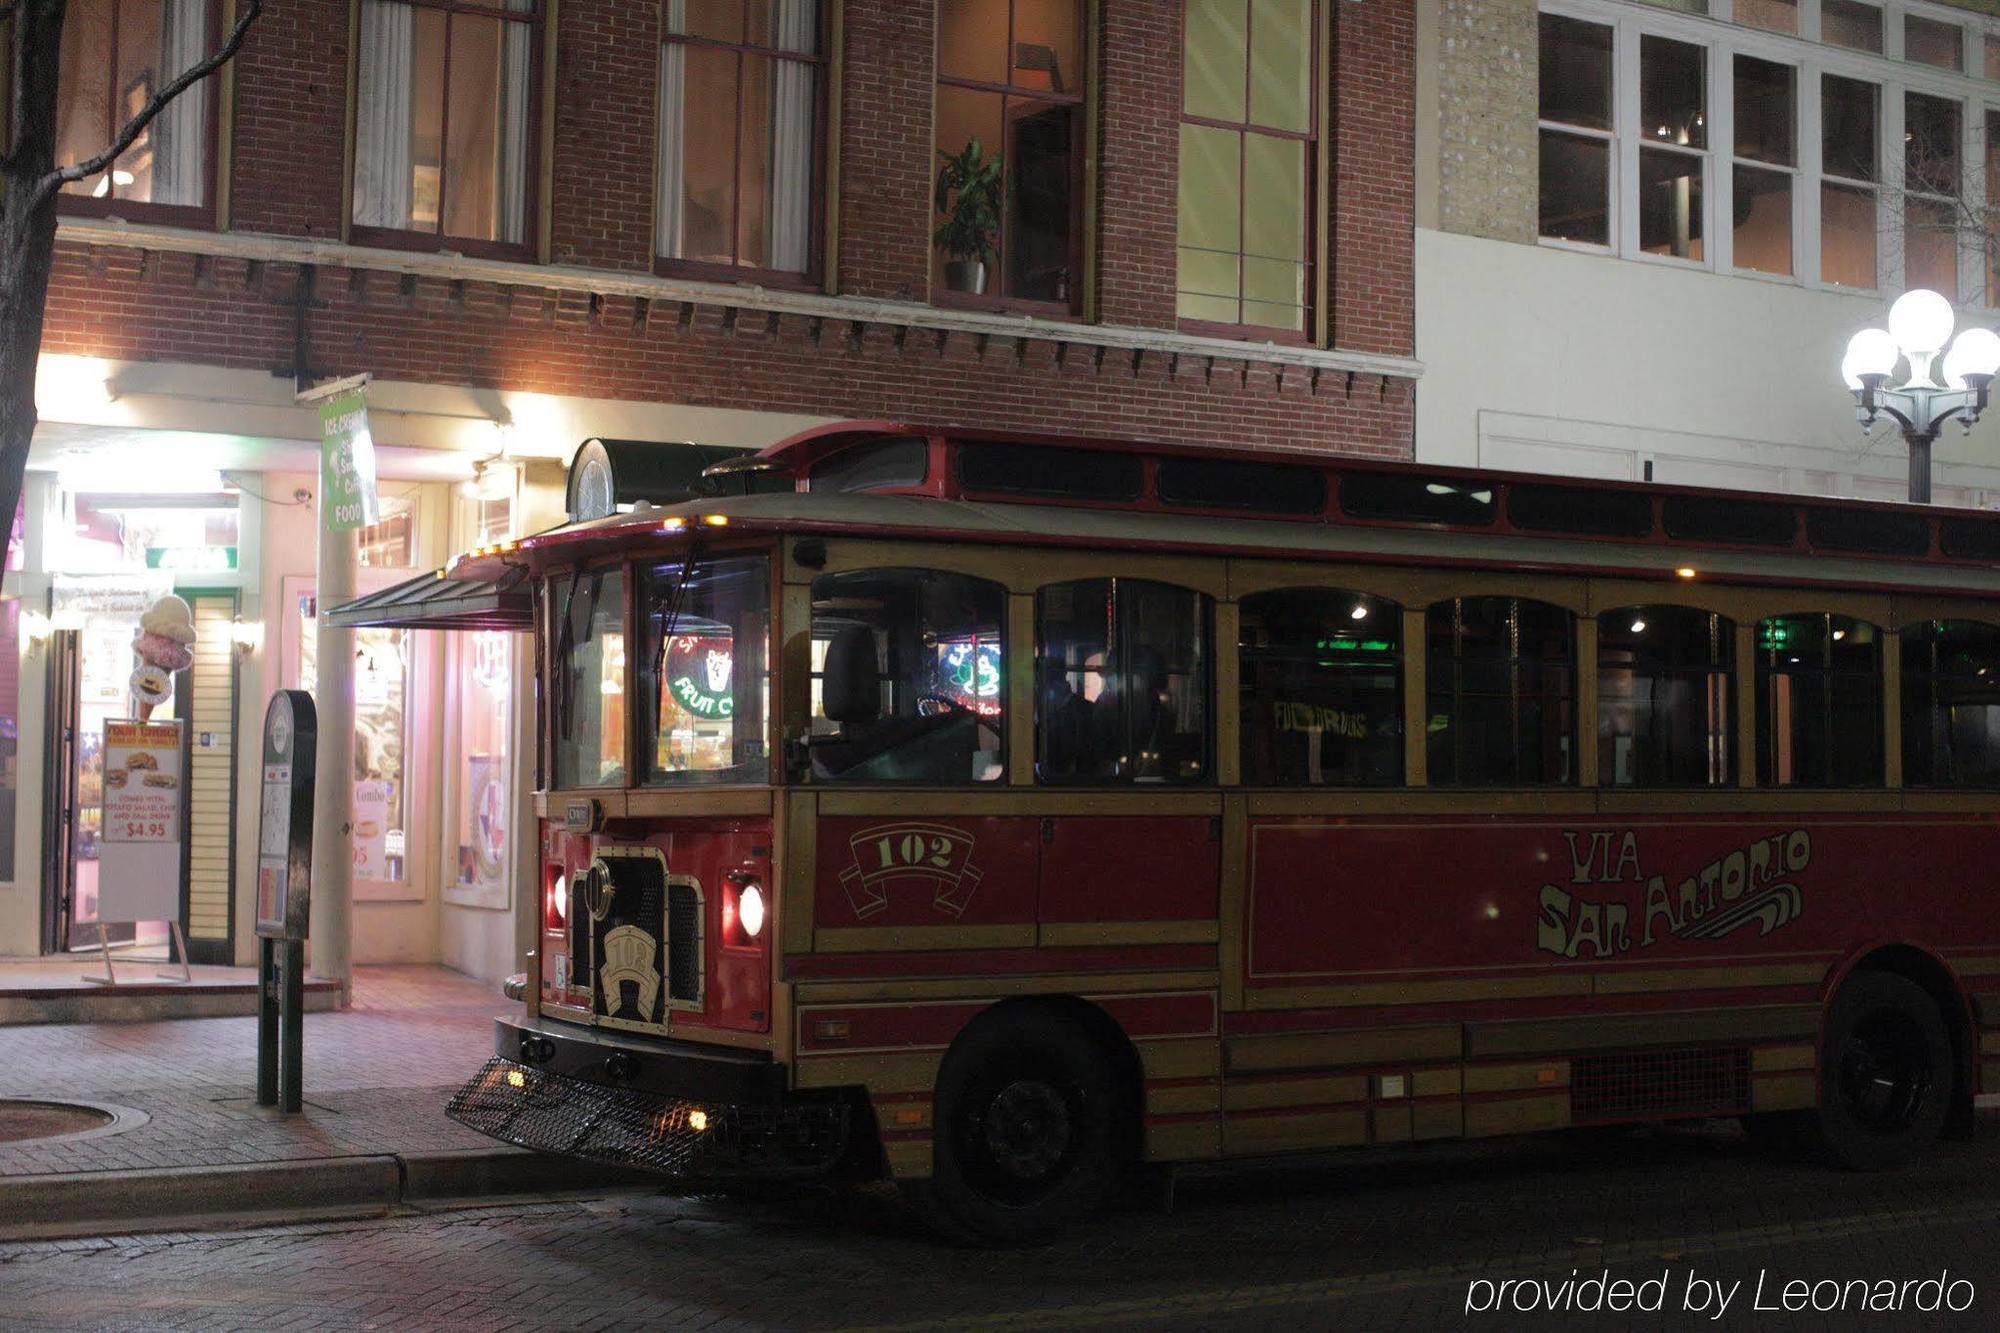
[{"x": 333, "y": 797}]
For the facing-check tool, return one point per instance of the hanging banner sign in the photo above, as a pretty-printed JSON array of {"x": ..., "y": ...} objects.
[
  {"x": 348, "y": 497},
  {"x": 139, "y": 856}
]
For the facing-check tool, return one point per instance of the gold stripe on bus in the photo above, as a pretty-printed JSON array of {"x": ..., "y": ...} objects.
[
  {"x": 555, "y": 804},
  {"x": 1539, "y": 1076},
  {"x": 1255, "y": 1135},
  {"x": 1368, "y": 993},
  {"x": 1326, "y": 1050},
  {"x": 1266, "y": 1094},
  {"x": 1989, "y": 1076},
  {"x": 1008, "y": 801},
  {"x": 1559, "y": 1036},
  {"x": 1181, "y": 1057},
  {"x": 1191, "y": 1100},
  {"x": 982, "y": 988},
  {"x": 1067, "y": 934},
  {"x": 1184, "y": 1141},
  {"x": 1434, "y": 801},
  {"x": 1437, "y": 1082},
  {"x": 1788, "y": 1092},
  {"x": 1989, "y": 1043},
  {"x": 881, "y": 1074},
  {"x": 1516, "y": 1115},
  {"x": 1772, "y": 1059},
  {"x": 707, "y": 802},
  {"x": 1986, "y": 1009},
  {"x": 1974, "y": 967},
  {"x": 1021, "y": 569},
  {"x": 908, "y": 1159},
  {"x": 905, "y": 939},
  {"x": 1707, "y": 978}
]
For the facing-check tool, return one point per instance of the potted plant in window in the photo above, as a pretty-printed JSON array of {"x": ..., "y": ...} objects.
[{"x": 968, "y": 195}]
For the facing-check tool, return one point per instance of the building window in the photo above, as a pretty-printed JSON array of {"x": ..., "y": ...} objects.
[
  {"x": 1931, "y": 188},
  {"x": 1576, "y": 142},
  {"x": 115, "y": 55},
  {"x": 1665, "y": 697},
  {"x": 1770, "y": 15},
  {"x": 1990, "y": 239},
  {"x": 1819, "y": 702},
  {"x": 1951, "y": 704},
  {"x": 1673, "y": 157},
  {"x": 1849, "y": 111},
  {"x": 740, "y": 92},
  {"x": 1851, "y": 24},
  {"x": 1930, "y": 42},
  {"x": 1322, "y": 681},
  {"x": 1766, "y": 165},
  {"x": 1502, "y": 692},
  {"x": 1248, "y": 129},
  {"x": 1010, "y": 76},
  {"x": 444, "y": 128}
]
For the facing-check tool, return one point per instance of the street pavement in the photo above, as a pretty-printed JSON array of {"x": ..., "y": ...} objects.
[{"x": 1358, "y": 1241}]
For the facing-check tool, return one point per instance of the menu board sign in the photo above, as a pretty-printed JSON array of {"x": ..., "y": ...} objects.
[{"x": 139, "y": 856}]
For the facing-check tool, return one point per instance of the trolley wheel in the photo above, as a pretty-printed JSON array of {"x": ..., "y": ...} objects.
[
  {"x": 1885, "y": 1075},
  {"x": 1027, "y": 1132}
]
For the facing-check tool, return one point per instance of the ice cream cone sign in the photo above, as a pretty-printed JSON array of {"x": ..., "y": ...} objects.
[{"x": 163, "y": 645}]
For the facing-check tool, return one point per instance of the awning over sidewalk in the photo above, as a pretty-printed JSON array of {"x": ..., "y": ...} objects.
[{"x": 504, "y": 601}]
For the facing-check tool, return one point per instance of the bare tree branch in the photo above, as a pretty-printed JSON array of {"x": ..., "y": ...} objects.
[{"x": 159, "y": 101}]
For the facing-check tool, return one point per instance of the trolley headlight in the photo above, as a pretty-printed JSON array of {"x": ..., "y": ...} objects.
[
  {"x": 750, "y": 910},
  {"x": 559, "y": 900}
]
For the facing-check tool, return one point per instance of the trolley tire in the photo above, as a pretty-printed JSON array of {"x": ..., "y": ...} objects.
[
  {"x": 1885, "y": 1075},
  {"x": 1027, "y": 1138}
]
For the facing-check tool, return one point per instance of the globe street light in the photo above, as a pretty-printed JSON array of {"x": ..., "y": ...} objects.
[{"x": 1920, "y": 324}]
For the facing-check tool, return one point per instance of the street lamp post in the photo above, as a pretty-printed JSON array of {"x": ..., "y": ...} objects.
[{"x": 1920, "y": 324}]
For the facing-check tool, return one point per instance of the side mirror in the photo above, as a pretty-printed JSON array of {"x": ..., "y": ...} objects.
[{"x": 850, "y": 684}]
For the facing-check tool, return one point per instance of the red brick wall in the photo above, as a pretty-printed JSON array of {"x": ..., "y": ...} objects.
[
  {"x": 291, "y": 120},
  {"x": 885, "y": 148},
  {"x": 607, "y": 109},
  {"x": 1138, "y": 165},
  {"x": 1374, "y": 190}
]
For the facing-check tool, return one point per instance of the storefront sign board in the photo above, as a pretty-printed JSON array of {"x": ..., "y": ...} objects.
[
  {"x": 348, "y": 497},
  {"x": 139, "y": 858}
]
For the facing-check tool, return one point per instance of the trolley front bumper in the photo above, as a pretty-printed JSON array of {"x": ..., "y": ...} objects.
[{"x": 668, "y": 1106}]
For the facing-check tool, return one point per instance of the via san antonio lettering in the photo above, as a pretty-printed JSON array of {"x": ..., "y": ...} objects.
[{"x": 1753, "y": 885}]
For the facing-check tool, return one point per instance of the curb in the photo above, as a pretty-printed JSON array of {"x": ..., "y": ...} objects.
[{"x": 96, "y": 1203}]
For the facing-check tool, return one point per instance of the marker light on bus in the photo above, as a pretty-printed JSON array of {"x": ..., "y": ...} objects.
[
  {"x": 1359, "y": 612},
  {"x": 1685, "y": 571},
  {"x": 559, "y": 899},
  {"x": 673, "y": 525},
  {"x": 716, "y": 520},
  {"x": 698, "y": 1120}
]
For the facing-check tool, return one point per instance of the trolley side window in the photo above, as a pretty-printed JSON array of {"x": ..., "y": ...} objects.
[
  {"x": 1121, "y": 683},
  {"x": 589, "y": 684},
  {"x": 1322, "y": 675},
  {"x": 1819, "y": 702},
  {"x": 1951, "y": 704},
  {"x": 1666, "y": 697},
  {"x": 705, "y": 675},
  {"x": 1501, "y": 684},
  {"x": 908, "y": 678}
]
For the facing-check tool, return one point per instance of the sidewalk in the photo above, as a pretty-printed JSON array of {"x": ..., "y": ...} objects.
[{"x": 377, "y": 1077}]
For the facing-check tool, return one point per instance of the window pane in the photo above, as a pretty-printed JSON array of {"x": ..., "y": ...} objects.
[
  {"x": 1046, "y": 51},
  {"x": 1670, "y": 203},
  {"x": 589, "y": 656},
  {"x": 1274, "y": 235},
  {"x": 1121, "y": 682},
  {"x": 707, "y": 687},
  {"x": 1763, "y": 235},
  {"x": 1819, "y": 714},
  {"x": 1766, "y": 111},
  {"x": 1993, "y": 59},
  {"x": 1575, "y": 72},
  {"x": 1771, "y": 15},
  {"x": 972, "y": 40},
  {"x": 1216, "y": 59},
  {"x": 1211, "y": 238},
  {"x": 1847, "y": 236},
  {"x": 962, "y": 116},
  {"x": 1930, "y": 144},
  {"x": 1929, "y": 42},
  {"x": 1576, "y": 188},
  {"x": 1930, "y": 247},
  {"x": 1501, "y": 674},
  {"x": 472, "y": 158},
  {"x": 1851, "y": 24},
  {"x": 1041, "y": 153},
  {"x": 867, "y": 467},
  {"x": 83, "y": 91},
  {"x": 1281, "y": 61},
  {"x": 753, "y": 156},
  {"x": 1673, "y": 92},
  {"x": 1951, "y": 704},
  {"x": 1665, "y": 697},
  {"x": 707, "y": 212},
  {"x": 1322, "y": 700},
  {"x": 719, "y": 20},
  {"x": 1847, "y": 121},
  {"x": 1031, "y": 469},
  {"x": 399, "y": 121}
]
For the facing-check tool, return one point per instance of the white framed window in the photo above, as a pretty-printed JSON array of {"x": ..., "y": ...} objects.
[{"x": 1838, "y": 144}]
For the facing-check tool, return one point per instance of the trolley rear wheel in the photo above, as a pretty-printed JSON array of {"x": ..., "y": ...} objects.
[{"x": 1885, "y": 1074}]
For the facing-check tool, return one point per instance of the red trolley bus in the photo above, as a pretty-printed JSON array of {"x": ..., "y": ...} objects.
[{"x": 992, "y": 812}]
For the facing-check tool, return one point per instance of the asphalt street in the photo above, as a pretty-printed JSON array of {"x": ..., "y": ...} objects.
[{"x": 1410, "y": 1239}]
